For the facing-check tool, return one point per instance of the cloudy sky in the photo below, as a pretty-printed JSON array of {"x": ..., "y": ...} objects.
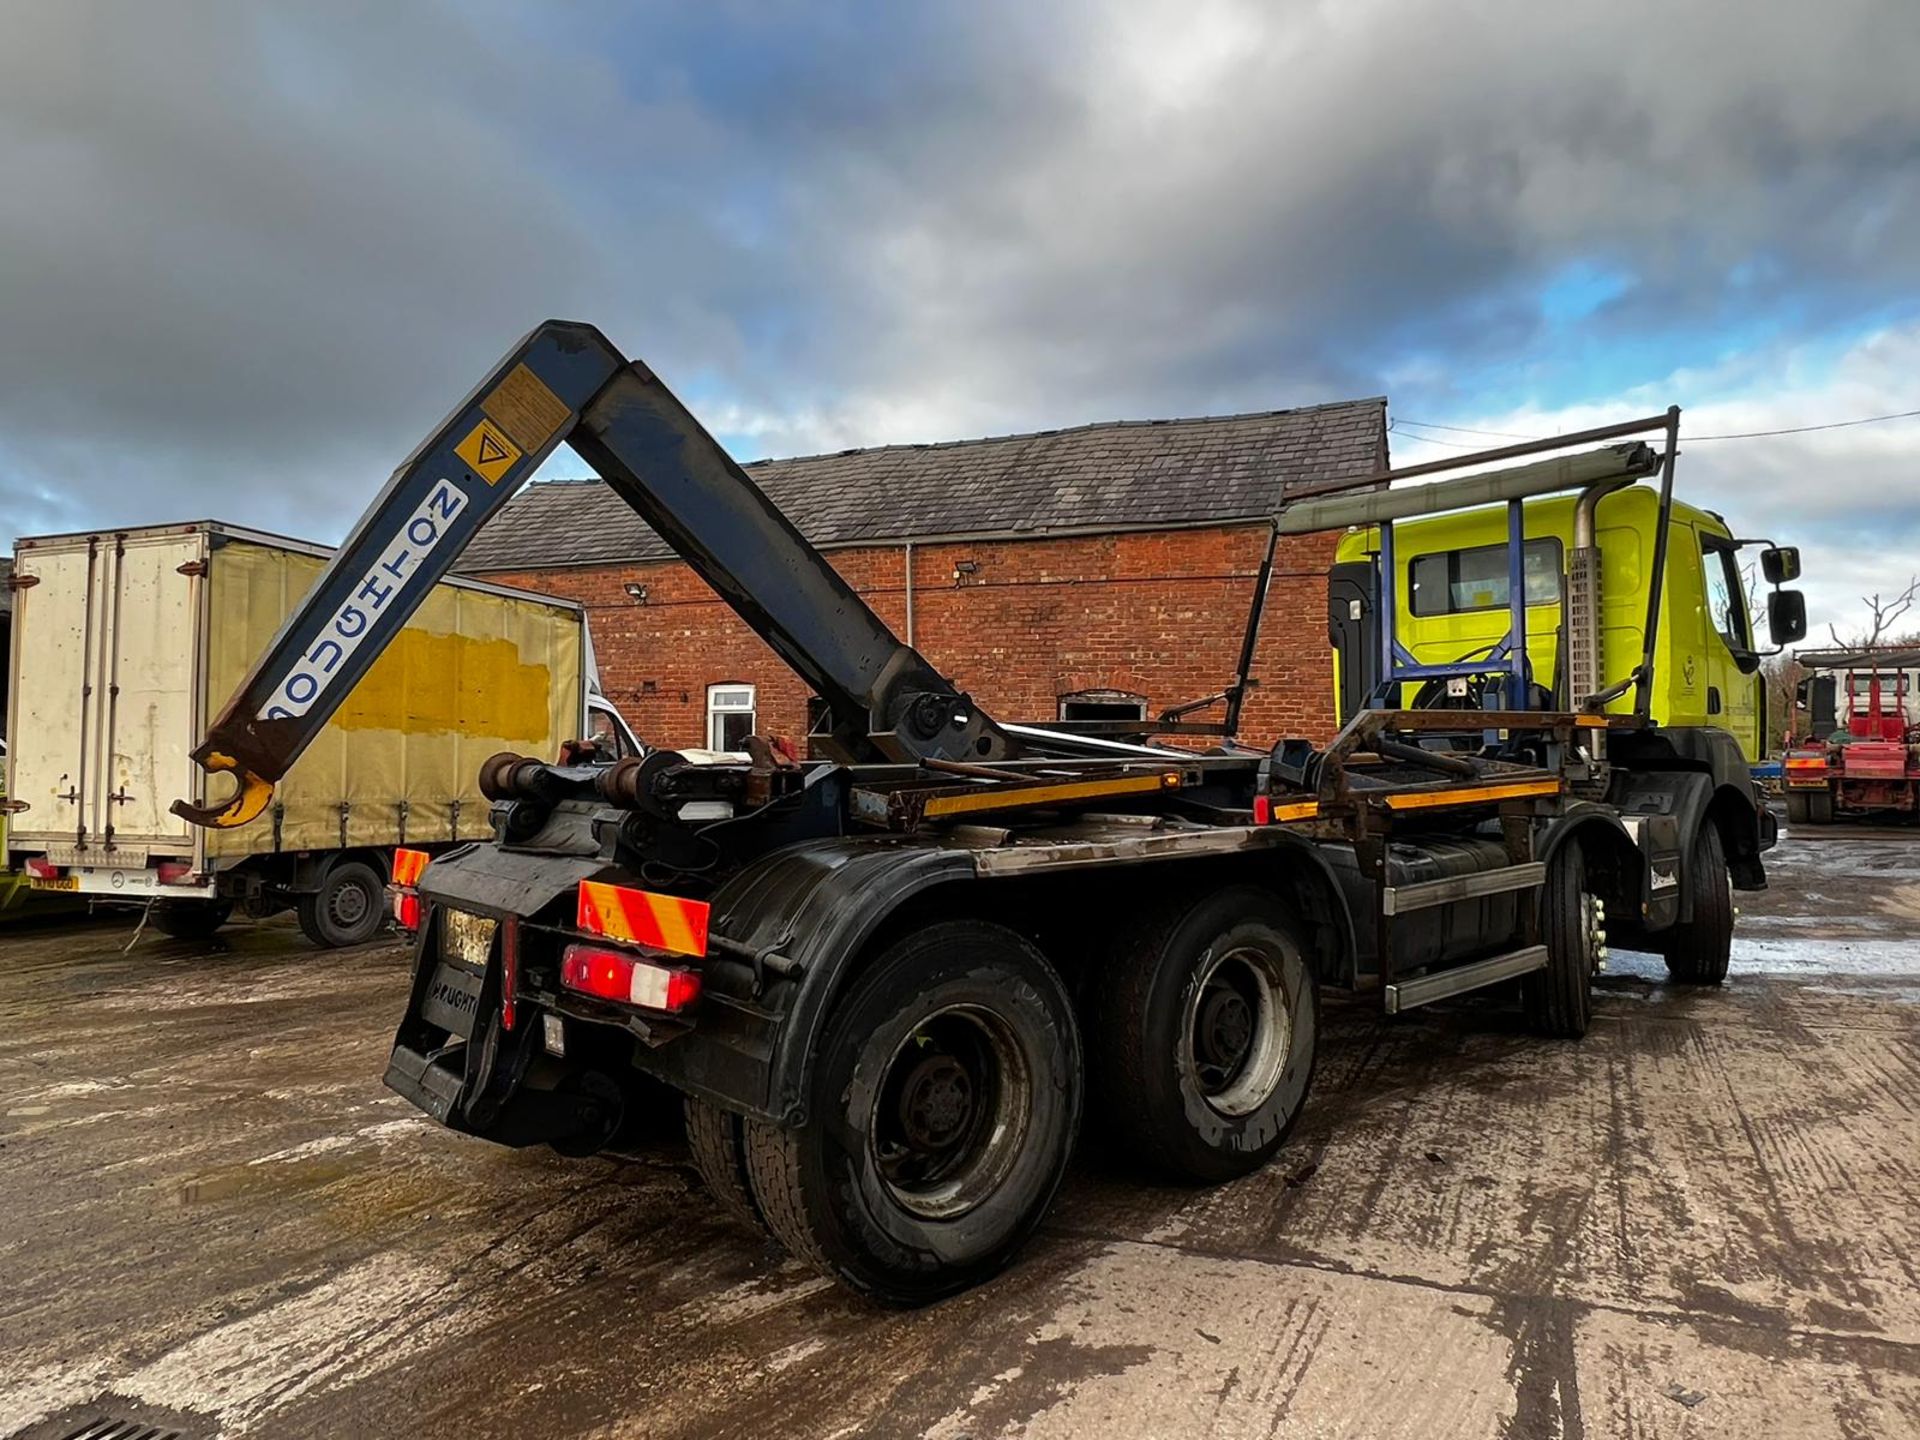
[{"x": 249, "y": 254}]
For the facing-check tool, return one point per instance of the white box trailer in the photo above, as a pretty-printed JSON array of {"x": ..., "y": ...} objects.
[{"x": 126, "y": 642}]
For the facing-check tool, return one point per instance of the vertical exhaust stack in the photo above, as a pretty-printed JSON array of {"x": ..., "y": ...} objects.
[{"x": 1586, "y": 634}]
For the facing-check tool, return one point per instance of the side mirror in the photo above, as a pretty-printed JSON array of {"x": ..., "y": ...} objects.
[
  {"x": 1802, "y": 692},
  {"x": 1780, "y": 564},
  {"x": 1787, "y": 614}
]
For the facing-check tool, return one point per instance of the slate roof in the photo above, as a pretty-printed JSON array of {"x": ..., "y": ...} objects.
[{"x": 1123, "y": 475}]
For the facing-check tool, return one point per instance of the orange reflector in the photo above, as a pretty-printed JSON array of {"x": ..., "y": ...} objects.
[
  {"x": 640, "y": 917},
  {"x": 408, "y": 865}
]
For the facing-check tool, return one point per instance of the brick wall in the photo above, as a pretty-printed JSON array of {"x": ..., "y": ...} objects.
[{"x": 1159, "y": 614}]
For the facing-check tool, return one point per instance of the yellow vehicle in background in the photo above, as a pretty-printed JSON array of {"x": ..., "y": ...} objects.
[{"x": 1453, "y": 590}]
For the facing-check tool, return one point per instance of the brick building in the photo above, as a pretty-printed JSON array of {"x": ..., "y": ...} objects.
[{"x": 1099, "y": 571}]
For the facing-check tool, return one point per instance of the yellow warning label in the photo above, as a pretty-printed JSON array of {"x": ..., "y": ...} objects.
[{"x": 488, "y": 451}]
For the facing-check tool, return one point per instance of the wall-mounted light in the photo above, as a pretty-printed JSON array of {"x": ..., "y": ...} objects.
[
  {"x": 963, "y": 568},
  {"x": 637, "y": 593}
]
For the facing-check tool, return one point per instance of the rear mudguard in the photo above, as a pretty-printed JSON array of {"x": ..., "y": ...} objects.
[{"x": 811, "y": 911}]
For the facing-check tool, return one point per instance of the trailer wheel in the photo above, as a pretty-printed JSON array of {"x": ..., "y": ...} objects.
[
  {"x": 1798, "y": 812},
  {"x": 1205, "y": 1035},
  {"x": 1820, "y": 807},
  {"x": 190, "y": 919},
  {"x": 1698, "y": 950},
  {"x": 939, "y": 1117},
  {"x": 1559, "y": 999},
  {"x": 346, "y": 909},
  {"x": 718, "y": 1140}
]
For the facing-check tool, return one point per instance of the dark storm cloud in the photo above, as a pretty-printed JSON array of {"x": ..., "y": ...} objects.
[{"x": 249, "y": 254}]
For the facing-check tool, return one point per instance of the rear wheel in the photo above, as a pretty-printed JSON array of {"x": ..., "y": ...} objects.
[
  {"x": 190, "y": 919},
  {"x": 1798, "y": 811},
  {"x": 346, "y": 909},
  {"x": 1205, "y": 1035},
  {"x": 939, "y": 1118},
  {"x": 1699, "y": 949},
  {"x": 1820, "y": 807},
  {"x": 1559, "y": 999},
  {"x": 717, "y": 1139}
]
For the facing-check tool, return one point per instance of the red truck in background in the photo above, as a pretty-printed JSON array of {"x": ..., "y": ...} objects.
[{"x": 1862, "y": 757}]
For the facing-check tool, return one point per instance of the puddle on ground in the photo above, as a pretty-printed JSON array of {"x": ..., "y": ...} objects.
[{"x": 247, "y": 1179}]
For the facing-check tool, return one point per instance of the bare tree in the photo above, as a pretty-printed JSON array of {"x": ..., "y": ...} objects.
[{"x": 1884, "y": 613}]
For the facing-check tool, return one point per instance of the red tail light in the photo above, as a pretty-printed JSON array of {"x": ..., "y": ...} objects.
[
  {"x": 627, "y": 979},
  {"x": 406, "y": 911},
  {"x": 42, "y": 868},
  {"x": 1263, "y": 809},
  {"x": 172, "y": 872}
]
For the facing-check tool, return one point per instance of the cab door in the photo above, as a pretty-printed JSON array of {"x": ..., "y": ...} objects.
[{"x": 1730, "y": 664}]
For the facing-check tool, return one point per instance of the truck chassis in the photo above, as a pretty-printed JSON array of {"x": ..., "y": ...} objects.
[{"x": 888, "y": 984}]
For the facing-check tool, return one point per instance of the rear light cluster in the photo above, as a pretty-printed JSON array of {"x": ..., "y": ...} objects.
[
  {"x": 42, "y": 868},
  {"x": 648, "y": 930},
  {"x": 609, "y": 974},
  {"x": 408, "y": 866}
]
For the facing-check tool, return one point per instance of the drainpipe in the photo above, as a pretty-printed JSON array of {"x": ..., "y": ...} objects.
[{"x": 909, "y": 594}]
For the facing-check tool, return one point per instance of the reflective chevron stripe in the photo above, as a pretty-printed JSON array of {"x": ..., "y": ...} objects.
[{"x": 640, "y": 917}]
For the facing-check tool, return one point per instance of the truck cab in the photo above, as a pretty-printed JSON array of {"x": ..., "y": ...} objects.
[{"x": 1452, "y": 598}]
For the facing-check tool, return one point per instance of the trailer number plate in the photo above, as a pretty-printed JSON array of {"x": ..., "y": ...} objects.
[
  {"x": 452, "y": 1000},
  {"x": 467, "y": 938},
  {"x": 58, "y": 882}
]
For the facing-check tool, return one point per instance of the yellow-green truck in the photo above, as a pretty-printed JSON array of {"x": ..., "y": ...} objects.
[
  {"x": 126, "y": 641},
  {"x": 1451, "y": 594}
]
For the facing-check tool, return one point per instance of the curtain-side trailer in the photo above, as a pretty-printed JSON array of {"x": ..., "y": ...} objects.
[{"x": 124, "y": 643}]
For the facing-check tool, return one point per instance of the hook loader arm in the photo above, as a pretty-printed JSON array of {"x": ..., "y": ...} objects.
[{"x": 566, "y": 381}]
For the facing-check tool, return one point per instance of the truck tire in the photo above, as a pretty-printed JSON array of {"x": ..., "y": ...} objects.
[
  {"x": 1204, "y": 1037},
  {"x": 1798, "y": 811},
  {"x": 1559, "y": 999},
  {"x": 190, "y": 919},
  {"x": 938, "y": 1120},
  {"x": 717, "y": 1139},
  {"x": 347, "y": 909},
  {"x": 1820, "y": 807},
  {"x": 1697, "y": 950}
]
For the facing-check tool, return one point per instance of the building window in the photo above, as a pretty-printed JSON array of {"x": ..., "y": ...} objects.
[
  {"x": 1103, "y": 705},
  {"x": 1449, "y": 582},
  {"x": 729, "y": 716}
]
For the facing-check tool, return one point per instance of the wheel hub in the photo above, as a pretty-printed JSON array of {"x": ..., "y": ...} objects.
[
  {"x": 951, "y": 1113},
  {"x": 349, "y": 906},
  {"x": 1226, "y": 1028},
  {"x": 1238, "y": 1034},
  {"x": 936, "y": 1102}
]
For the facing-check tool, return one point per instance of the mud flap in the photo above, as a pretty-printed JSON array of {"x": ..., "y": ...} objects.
[{"x": 454, "y": 1058}]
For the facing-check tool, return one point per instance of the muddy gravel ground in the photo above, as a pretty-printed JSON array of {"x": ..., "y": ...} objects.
[{"x": 1701, "y": 1220}]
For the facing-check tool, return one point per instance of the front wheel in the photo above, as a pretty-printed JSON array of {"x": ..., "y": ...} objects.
[
  {"x": 939, "y": 1118},
  {"x": 1698, "y": 950},
  {"x": 1559, "y": 998},
  {"x": 1205, "y": 1036},
  {"x": 347, "y": 909}
]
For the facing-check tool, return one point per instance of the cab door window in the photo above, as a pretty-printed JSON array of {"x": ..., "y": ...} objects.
[{"x": 1726, "y": 597}]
